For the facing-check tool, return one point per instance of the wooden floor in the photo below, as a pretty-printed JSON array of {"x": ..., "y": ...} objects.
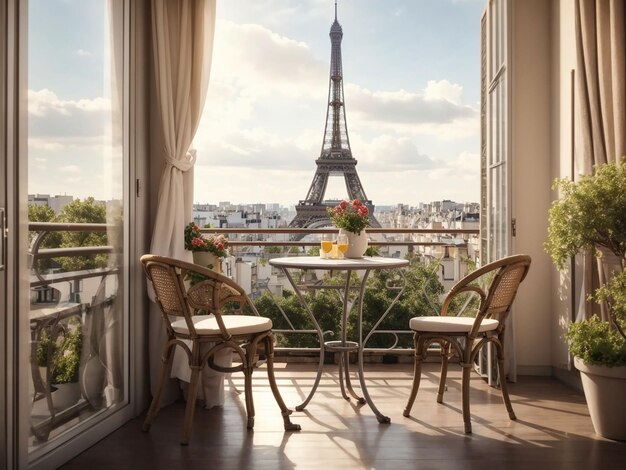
[{"x": 553, "y": 429}]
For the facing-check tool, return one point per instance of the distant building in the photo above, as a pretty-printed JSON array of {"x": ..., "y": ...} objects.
[{"x": 56, "y": 203}]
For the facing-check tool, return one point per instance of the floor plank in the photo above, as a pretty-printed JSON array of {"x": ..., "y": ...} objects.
[{"x": 553, "y": 429}]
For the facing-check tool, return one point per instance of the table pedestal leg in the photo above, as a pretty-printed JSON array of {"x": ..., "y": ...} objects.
[{"x": 320, "y": 335}]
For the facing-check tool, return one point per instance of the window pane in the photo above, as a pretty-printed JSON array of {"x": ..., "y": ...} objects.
[{"x": 75, "y": 168}]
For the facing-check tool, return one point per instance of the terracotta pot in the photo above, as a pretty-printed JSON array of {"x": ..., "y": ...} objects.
[
  {"x": 357, "y": 244},
  {"x": 605, "y": 389},
  {"x": 207, "y": 260}
]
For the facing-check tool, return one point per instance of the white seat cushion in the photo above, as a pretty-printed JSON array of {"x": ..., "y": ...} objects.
[
  {"x": 450, "y": 324},
  {"x": 235, "y": 324}
]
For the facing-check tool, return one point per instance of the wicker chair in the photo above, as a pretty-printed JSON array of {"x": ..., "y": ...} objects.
[
  {"x": 464, "y": 336},
  {"x": 195, "y": 314}
]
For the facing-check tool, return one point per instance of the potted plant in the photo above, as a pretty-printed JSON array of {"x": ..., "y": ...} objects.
[
  {"x": 59, "y": 356},
  {"x": 591, "y": 214},
  {"x": 351, "y": 218},
  {"x": 207, "y": 251}
]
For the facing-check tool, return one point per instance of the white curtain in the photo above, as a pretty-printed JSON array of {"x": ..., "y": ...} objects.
[{"x": 182, "y": 41}]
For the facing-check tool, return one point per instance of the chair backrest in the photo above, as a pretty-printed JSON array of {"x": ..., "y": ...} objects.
[
  {"x": 510, "y": 273},
  {"x": 505, "y": 276},
  {"x": 176, "y": 297}
]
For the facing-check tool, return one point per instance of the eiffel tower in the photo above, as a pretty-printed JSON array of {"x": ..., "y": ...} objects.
[{"x": 336, "y": 157}]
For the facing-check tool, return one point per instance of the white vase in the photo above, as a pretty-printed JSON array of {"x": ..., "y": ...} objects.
[
  {"x": 357, "y": 244},
  {"x": 605, "y": 389},
  {"x": 207, "y": 260}
]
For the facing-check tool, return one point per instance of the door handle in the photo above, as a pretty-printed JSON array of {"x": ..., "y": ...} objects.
[{"x": 3, "y": 225}]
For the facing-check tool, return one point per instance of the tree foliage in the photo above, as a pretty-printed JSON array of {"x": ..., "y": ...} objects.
[
  {"x": 420, "y": 297},
  {"x": 86, "y": 211}
]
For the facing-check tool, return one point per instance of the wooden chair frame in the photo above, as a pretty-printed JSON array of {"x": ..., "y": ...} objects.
[
  {"x": 177, "y": 299},
  {"x": 495, "y": 303}
]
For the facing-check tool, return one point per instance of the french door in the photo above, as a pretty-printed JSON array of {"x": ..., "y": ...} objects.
[
  {"x": 496, "y": 223},
  {"x": 64, "y": 293}
]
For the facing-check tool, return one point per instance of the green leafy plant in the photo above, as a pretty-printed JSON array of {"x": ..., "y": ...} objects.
[
  {"x": 61, "y": 353},
  {"x": 596, "y": 342},
  {"x": 372, "y": 251},
  {"x": 352, "y": 216},
  {"x": 591, "y": 213}
]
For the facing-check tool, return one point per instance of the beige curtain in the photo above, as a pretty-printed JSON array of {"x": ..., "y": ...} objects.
[
  {"x": 601, "y": 75},
  {"x": 182, "y": 41},
  {"x": 600, "y": 99}
]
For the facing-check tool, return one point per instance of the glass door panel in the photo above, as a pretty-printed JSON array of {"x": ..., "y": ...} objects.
[{"x": 78, "y": 316}]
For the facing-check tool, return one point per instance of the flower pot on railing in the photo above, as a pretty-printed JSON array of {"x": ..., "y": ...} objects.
[{"x": 207, "y": 260}]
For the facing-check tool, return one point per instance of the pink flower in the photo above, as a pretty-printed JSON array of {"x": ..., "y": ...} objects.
[
  {"x": 356, "y": 203},
  {"x": 363, "y": 211},
  {"x": 198, "y": 242},
  {"x": 343, "y": 204},
  {"x": 219, "y": 246}
]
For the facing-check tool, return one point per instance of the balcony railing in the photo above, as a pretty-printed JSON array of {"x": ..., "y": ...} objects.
[{"x": 240, "y": 238}]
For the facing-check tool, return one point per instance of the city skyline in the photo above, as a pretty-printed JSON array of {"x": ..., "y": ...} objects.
[{"x": 411, "y": 74}]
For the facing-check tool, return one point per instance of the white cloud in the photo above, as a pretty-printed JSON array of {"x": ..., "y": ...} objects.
[
  {"x": 405, "y": 107},
  {"x": 70, "y": 169},
  {"x": 466, "y": 166},
  {"x": 443, "y": 90},
  {"x": 389, "y": 153},
  {"x": 265, "y": 63},
  {"x": 84, "y": 53},
  {"x": 43, "y": 144},
  {"x": 44, "y": 102}
]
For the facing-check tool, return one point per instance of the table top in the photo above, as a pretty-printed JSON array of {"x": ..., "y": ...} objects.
[{"x": 315, "y": 262}]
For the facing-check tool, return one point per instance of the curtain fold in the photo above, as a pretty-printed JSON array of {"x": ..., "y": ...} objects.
[
  {"x": 600, "y": 97},
  {"x": 182, "y": 42},
  {"x": 600, "y": 90}
]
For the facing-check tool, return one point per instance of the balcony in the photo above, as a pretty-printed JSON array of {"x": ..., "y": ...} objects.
[{"x": 553, "y": 423}]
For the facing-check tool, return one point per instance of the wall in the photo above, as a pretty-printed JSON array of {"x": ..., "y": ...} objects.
[
  {"x": 530, "y": 74},
  {"x": 563, "y": 63}
]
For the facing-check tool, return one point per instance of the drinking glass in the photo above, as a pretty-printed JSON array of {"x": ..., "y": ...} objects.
[
  {"x": 326, "y": 245},
  {"x": 342, "y": 244}
]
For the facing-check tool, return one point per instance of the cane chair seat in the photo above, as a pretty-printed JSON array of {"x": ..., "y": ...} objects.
[
  {"x": 451, "y": 324},
  {"x": 201, "y": 307},
  {"x": 464, "y": 337},
  {"x": 235, "y": 324}
]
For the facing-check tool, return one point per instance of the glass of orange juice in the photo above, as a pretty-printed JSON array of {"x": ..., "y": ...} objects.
[
  {"x": 326, "y": 245},
  {"x": 342, "y": 244}
]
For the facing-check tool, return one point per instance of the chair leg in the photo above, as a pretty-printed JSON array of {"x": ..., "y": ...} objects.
[
  {"x": 190, "y": 409},
  {"x": 503, "y": 385},
  {"x": 269, "y": 350},
  {"x": 445, "y": 350},
  {"x": 467, "y": 369},
  {"x": 166, "y": 360},
  {"x": 417, "y": 373},
  {"x": 247, "y": 384}
]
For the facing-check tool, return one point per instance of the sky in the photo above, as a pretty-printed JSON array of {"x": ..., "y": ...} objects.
[{"x": 411, "y": 82}]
